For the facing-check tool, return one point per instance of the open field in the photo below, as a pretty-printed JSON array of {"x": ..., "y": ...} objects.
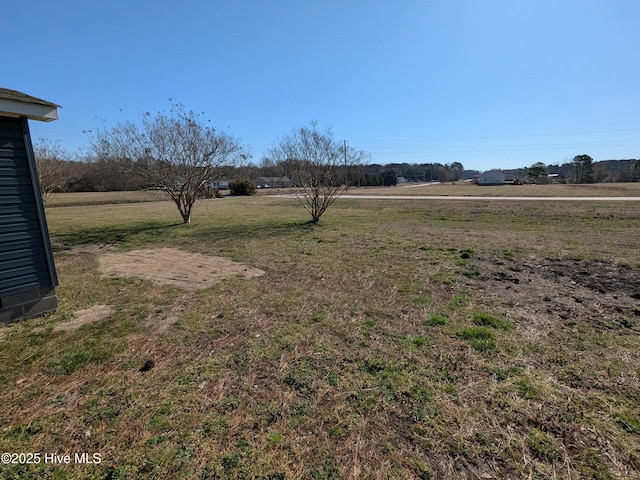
[
  {"x": 559, "y": 190},
  {"x": 396, "y": 339},
  {"x": 103, "y": 198},
  {"x": 469, "y": 189}
]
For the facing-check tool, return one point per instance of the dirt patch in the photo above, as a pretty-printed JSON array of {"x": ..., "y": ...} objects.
[
  {"x": 540, "y": 292},
  {"x": 163, "y": 323},
  {"x": 165, "y": 266},
  {"x": 83, "y": 317}
]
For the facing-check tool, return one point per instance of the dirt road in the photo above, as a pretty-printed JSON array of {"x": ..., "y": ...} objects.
[{"x": 470, "y": 197}]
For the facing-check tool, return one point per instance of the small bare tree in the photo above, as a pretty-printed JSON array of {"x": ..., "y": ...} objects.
[
  {"x": 177, "y": 152},
  {"x": 53, "y": 171},
  {"x": 317, "y": 166}
]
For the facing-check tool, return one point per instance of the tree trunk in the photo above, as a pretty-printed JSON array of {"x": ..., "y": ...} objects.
[{"x": 185, "y": 212}]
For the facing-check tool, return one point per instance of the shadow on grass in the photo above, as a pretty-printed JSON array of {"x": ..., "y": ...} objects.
[
  {"x": 115, "y": 234},
  {"x": 259, "y": 231},
  {"x": 149, "y": 233}
]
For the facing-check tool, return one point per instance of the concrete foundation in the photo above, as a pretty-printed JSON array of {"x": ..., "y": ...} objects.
[{"x": 29, "y": 304}]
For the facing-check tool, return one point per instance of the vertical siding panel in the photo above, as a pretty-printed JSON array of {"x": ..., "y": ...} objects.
[{"x": 26, "y": 259}]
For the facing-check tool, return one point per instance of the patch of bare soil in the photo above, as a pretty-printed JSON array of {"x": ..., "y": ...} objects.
[
  {"x": 83, "y": 317},
  {"x": 540, "y": 292},
  {"x": 164, "y": 266}
]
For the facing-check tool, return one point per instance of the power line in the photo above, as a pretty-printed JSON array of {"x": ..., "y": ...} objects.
[{"x": 496, "y": 137}]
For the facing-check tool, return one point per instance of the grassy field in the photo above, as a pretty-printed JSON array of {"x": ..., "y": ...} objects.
[
  {"x": 556, "y": 190},
  {"x": 469, "y": 189},
  {"x": 103, "y": 198},
  {"x": 394, "y": 339}
]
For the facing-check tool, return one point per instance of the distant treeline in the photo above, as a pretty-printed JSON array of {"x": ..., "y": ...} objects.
[
  {"x": 605, "y": 171},
  {"x": 98, "y": 176}
]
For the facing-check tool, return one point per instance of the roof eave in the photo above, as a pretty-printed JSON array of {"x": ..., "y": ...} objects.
[{"x": 33, "y": 111}]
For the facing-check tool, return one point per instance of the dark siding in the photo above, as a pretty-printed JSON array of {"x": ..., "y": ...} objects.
[{"x": 25, "y": 255}]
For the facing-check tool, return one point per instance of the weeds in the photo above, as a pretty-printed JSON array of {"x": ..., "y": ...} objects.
[
  {"x": 370, "y": 349},
  {"x": 436, "y": 320},
  {"x": 486, "y": 320},
  {"x": 543, "y": 446},
  {"x": 628, "y": 423},
  {"x": 481, "y": 338},
  {"x": 528, "y": 390}
]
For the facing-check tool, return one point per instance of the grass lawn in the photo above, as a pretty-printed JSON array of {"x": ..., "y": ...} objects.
[
  {"x": 103, "y": 198},
  {"x": 469, "y": 189},
  {"x": 394, "y": 339}
]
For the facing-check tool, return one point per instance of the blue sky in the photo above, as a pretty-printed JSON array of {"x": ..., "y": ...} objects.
[{"x": 488, "y": 83}]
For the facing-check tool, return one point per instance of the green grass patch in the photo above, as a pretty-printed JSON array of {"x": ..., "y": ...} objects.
[
  {"x": 480, "y": 338},
  {"x": 543, "y": 446},
  {"x": 436, "y": 320},
  {"x": 487, "y": 320},
  {"x": 527, "y": 389},
  {"x": 628, "y": 423}
]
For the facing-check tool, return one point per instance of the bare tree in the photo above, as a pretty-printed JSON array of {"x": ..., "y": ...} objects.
[
  {"x": 177, "y": 152},
  {"x": 53, "y": 170},
  {"x": 316, "y": 164}
]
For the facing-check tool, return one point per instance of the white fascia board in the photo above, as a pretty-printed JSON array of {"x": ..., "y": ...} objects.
[{"x": 33, "y": 111}]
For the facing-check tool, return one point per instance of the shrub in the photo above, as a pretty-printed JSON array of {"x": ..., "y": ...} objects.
[
  {"x": 242, "y": 187},
  {"x": 209, "y": 192}
]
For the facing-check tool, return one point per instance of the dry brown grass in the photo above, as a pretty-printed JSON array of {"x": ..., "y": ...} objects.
[
  {"x": 103, "y": 198},
  {"x": 469, "y": 189},
  {"x": 386, "y": 342}
]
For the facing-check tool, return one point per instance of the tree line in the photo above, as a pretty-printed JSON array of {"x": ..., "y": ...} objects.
[
  {"x": 583, "y": 169},
  {"x": 62, "y": 171},
  {"x": 180, "y": 153}
]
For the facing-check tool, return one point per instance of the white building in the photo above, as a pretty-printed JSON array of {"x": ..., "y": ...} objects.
[
  {"x": 220, "y": 184},
  {"x": 492, "y": 177}
]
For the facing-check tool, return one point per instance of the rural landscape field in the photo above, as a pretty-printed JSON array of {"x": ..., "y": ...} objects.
[{"x": 394, "y": 339}]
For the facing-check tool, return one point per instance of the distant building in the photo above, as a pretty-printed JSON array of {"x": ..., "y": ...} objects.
[
  {"x": 542, "y": 179},
  {"x": 511, "y": 179},
  {"x": 492, "y": 177},
  {"x": 27, "y": 272},
  {"x": 272, "y": 182},
  {"x": 219, "y": 185}
]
